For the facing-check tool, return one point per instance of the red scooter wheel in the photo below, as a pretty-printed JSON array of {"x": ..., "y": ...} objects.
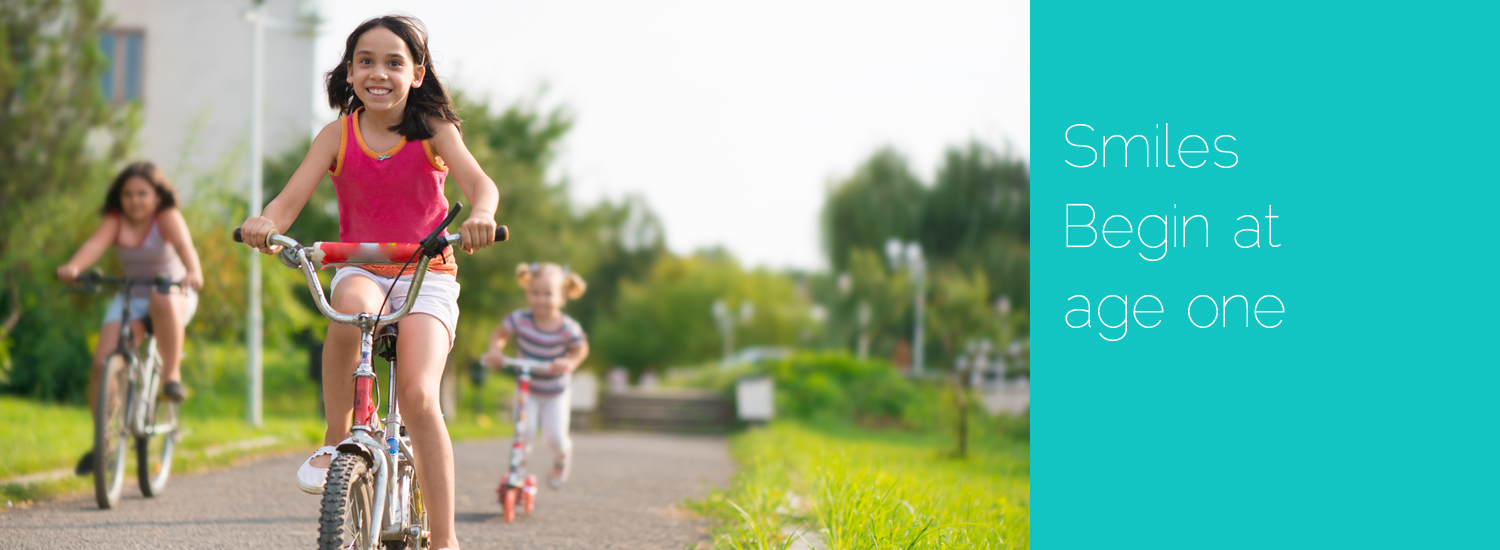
[
  {"x": 529, "y": 500},
  {"x": 509, "y": 502}
]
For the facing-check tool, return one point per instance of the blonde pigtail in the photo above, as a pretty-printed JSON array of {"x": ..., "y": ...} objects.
[
  {"x": 574, "y": 286},
  {"x": 523, "y": 274}
]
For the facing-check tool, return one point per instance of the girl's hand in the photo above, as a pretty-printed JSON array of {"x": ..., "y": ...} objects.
[
  {"x": 492, "y": 359},
  {"x": 478, "y": 232},
  {"x": 255, "y": 231},
  {"x": 193, "y": 280},
  {"x": 559, "y": 367},
  {"x": 67, "y": 273}
]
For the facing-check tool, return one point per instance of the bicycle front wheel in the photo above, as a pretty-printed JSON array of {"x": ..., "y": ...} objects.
[
  {"x": 153, "y": 451},
  {"x": 347, "y": 517},
  {"x": 111, "y": 432}
]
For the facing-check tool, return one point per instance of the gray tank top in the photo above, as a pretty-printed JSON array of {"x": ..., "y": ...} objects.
[{"x": 155, "y": 256}]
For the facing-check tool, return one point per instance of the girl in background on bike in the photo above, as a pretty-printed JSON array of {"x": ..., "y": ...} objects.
[
  {"x": 141, "y": 222},
  {"x": 389, "y": 154},
  {"x": 544, "y": 333}
]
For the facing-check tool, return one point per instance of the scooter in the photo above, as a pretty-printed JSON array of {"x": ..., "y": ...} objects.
[{"x": 519, "y": 486}]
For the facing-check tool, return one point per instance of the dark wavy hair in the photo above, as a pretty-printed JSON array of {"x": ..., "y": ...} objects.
[
  {"x": 167, "y": 197},
  {"x": 425, "y": 105}
]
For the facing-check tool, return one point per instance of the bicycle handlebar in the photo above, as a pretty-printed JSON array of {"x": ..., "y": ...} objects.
[
  {"x": 295, "y": 255},
  {"x": 502, "y": 234},
  {"x": 90, "y": 279},
  {"x": 526, "y": 363}
]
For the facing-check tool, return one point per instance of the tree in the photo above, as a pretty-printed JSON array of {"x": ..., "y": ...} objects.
[
  {"x": 606, "y": 244},
  {"x": 59, "y": 140},
  {"x": 979, "y": 215},
  {"x": 881, "y": 201},
  {"x": 974, "y": 219},
  {"x": 665, "y": 319}
]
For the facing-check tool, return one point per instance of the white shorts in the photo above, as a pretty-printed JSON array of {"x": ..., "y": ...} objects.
[
  {"x": 140, "y": 307},
  {"x": 438, "y": 296}
]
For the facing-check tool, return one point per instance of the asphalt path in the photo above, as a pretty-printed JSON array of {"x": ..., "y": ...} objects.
[{"x": 626, "y": 492}]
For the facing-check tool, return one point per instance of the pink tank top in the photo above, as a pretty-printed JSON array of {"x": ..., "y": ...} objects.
[
  {"x": 394, "y": 196},
  {"x": 153, "y": 256}
]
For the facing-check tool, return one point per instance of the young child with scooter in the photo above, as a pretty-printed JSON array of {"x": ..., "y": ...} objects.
[{"x": 551, "y": 346}]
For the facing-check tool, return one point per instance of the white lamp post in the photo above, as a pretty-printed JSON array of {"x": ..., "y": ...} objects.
[
  {"x": 726, "y": 328},
  {"x": 862, "y": 346},
  {"x": 253, "y": 319},
  {"x": 726, "y": 322},
  {"x": 256, "y": 17},
  {"x": 909, "y": 255}
]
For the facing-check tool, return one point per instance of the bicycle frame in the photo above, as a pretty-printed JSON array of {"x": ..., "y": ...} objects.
[
  {"x": 125, "y": 402},
  {"x": 144, "y": 376},
  {"x": 381, "y": 443}
]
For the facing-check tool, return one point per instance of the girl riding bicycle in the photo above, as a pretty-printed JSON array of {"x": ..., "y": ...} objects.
[
  {"x": 150, "y": 238},
  {"x": 544, "y": 333},
  {"x": 389, "y": 153}
]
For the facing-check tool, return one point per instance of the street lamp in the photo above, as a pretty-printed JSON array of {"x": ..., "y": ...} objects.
[
  {"x": 864, "y": 331},
  {"x": 258, "y": 20},
  {"x": 254, "y": 321},
  {"x": 909, "y": 255},
  {"x": 726, "y": 322},
  {"x": 846, "y": 285}
]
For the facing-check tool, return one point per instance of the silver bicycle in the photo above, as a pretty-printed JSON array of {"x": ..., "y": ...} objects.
[
  {"x": 128, "y": 403},
  {"x": 371, "y": 497}
]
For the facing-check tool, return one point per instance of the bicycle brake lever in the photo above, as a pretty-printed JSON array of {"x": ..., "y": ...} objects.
[{"x": 433, "y": 244}]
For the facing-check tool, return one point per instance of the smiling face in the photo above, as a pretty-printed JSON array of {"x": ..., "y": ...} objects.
[
  {"x": 382, "y": 71},
  {"x": 139, "y": 199},
  {"x": 545, "y": 294}
]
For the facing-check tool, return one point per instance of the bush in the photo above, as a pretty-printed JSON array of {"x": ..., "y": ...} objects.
[
  {"x": 834, "y": 387},
  {"x": 837, "y": 389}
]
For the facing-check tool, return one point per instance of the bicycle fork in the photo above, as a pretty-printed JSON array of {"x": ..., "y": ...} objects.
[
  {"x": 145, "y": 383},
  {"x": 363, "y": 435},
  {"x": 366, "y": 435}
]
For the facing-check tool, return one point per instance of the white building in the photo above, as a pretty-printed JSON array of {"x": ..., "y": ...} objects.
[{"x": 188, "y": 63}]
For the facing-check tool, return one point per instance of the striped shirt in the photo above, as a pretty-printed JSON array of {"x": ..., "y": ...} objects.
[{"x": 543, "y": 345}]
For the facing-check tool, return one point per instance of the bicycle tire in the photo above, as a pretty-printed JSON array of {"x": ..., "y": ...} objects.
[
  {"x": 112, "y": 404},
  {"x": 347, "y": 515},
  {"x": 153, "y": 452}
]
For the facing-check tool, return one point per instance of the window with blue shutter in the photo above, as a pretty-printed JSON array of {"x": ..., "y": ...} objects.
[{"x": 124, "y": 52}]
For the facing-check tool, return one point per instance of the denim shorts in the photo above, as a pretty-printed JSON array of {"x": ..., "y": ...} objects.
[{"x": 140, "y": 307}]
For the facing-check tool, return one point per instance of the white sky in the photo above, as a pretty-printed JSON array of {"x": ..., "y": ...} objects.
[{"x": 732, "y": 119}]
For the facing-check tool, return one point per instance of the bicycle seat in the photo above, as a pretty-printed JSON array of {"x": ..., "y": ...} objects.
[{"x": 385, "y": 342}]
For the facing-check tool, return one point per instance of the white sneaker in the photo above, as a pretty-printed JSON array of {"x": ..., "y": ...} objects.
[
  {"x": 559, "y": 473},
  {"x": 312, "y": 478}
]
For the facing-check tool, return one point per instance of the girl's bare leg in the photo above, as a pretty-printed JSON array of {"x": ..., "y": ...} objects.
[
  {"x": 341, "y": 356},
  {"x": 167, "y": 323},
  {"x": 420, "y": 358}
]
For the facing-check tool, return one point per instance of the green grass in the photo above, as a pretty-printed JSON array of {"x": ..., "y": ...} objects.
[
  {"x": 852, "y": 488},
  {"x": 50, "y": 437},
  {"x": 43, "y": 437}
]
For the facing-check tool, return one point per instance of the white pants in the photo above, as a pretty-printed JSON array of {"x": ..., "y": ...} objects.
[{"x": 553, "y": 412}]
